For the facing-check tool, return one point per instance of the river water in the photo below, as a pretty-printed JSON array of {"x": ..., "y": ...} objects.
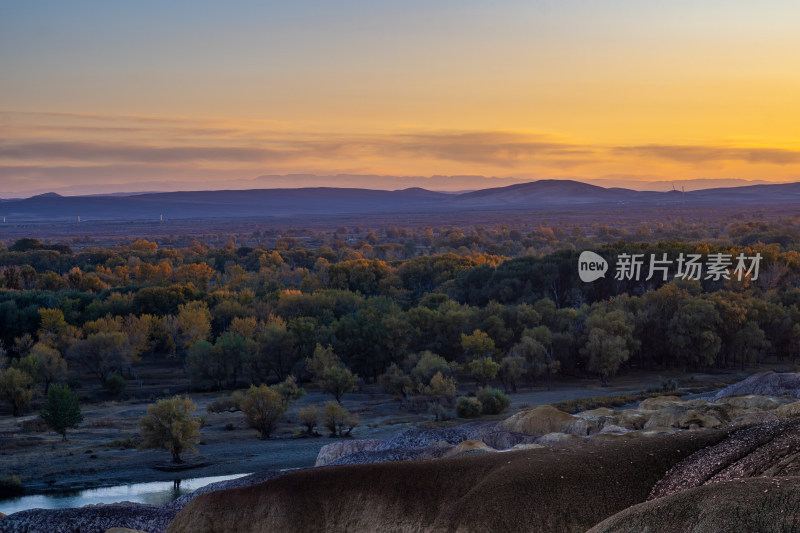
[{"x": 153, "y": 493}]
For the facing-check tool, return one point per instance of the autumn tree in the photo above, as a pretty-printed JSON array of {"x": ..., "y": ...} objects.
[
  {"x": 50, "y": 367},
  {"x": 171, "y": 426},
  {"x": 15, "y": 388},
  {"x": 191, "y": 325},
  {"x": 309, "y": 417},
  {"x": 477, "y": 345},
  {"x": 480, "y": 348},
  {"x": 338, "y": 420},
  {"x": 262, "y": 407},
  {"x": 53, "y": 328},
  {"x": 439, "y": 390},
  {"x": 483, "y": 369}
]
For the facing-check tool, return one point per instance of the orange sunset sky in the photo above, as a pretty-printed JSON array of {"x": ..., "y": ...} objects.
[{"x": 108, "y": 96}]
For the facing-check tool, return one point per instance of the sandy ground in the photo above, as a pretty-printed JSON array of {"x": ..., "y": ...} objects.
[{"x": 93, "y": 457}]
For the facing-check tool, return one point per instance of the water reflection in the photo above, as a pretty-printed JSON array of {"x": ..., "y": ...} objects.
[{"x": 153, "y": 493}]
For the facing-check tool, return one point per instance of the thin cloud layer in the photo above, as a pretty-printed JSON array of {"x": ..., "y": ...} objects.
[
  {"x": 79, "y": 150},
  {"x": 705, "y": 154}
]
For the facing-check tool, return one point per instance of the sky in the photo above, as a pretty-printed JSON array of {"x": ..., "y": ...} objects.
[{"x": 103, "y": 96}]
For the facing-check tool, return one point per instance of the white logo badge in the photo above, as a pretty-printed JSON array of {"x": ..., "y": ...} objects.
[{"x": 591, "y": 266}]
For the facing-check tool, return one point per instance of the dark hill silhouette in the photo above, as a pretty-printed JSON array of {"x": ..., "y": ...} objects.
[
  {"x": 551, "y": 192},
  {"x": 537, "y": 196}
]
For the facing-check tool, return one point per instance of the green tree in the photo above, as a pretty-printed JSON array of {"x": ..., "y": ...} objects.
[
  {"x": 540, "y": 354},
  {"x": 606, "y": 353},
  {"x": 609, "y": 343},
  {"x": 396, "y": 382},
  {"x": 276, "y": 349},
  {"x": 692, "y": 333},
  {"x": 219, "y": 365},
  {"x": 262, "y": 407},
  {"x": 749, "y": 342},
  {"x": 170, "y": 425},
  {"x": 61, "y": 411},
  {"x": 426, "y": 364},
  {"x": 512, "y": 368},
  {"x": 330, "y": 374}
]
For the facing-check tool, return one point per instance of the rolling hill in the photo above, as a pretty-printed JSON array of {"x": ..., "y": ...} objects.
[{"x": 536, "y": 196}]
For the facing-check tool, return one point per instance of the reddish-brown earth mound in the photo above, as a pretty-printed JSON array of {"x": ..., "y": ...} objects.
[{"x": 563, "y": 489}]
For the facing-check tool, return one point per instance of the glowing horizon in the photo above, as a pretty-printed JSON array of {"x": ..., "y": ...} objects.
[{"x": 193, "y": 94}]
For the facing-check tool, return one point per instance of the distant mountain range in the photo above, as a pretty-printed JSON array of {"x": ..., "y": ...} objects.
[
  {"x": 535, "y": 196},
  {"x": 462, "y": 183}
]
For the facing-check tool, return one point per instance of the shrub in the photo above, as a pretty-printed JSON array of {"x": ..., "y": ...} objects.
[
  {"x": 33, "y": 425},
  {"x": 668, "y": 385},
  {"x": 223, "y": 404},
  {"x": 262, "y": 407},
  {"x": 468, "y": 407},
  {"x": 62, "y": 410},
  {"x": 493, "y": 401},
  {"x": 128, "y": 443},
  {"x": 338, "y": 420},
  {"x": 115, "y": 384},
  {"x": 309, "y": 417},
  {"x": 169, "y": 425},
  {"x": 10, "y": 486},
  {"x": 440, "y": 412}
]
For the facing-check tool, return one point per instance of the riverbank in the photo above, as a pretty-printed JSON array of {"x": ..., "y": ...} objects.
[{"x": 102, "y": 453}]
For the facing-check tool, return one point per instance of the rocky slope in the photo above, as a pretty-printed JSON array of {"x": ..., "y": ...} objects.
[
  {"x": 763, "y": 505},
  {"x": 765, "y": 384}
]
